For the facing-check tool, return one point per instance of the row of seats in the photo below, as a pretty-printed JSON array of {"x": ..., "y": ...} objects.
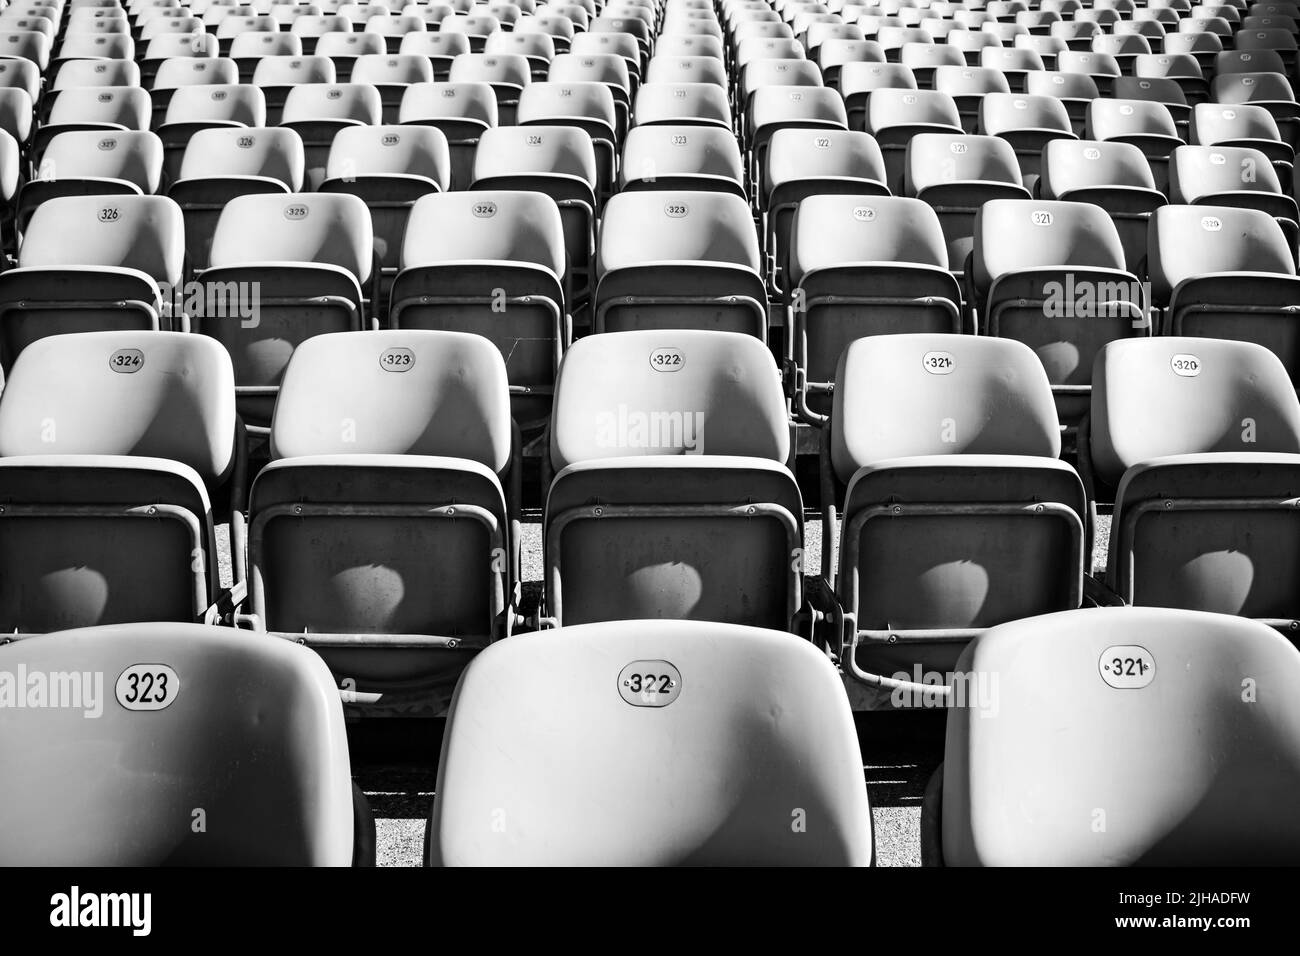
[
  {"x": 287, "y": 266},
  {"x": 385, "y": 530},
  {"x": 251, "y": 732}
]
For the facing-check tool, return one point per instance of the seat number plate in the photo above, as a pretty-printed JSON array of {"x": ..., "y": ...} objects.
[{"x": 649, "y": 683}]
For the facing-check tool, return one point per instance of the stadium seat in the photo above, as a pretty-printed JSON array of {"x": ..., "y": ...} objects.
[
  {"x": 967, "y": 85},
  {"x": 608, "y": 68},
  {"x": 1204, "y": 703},
  {"x": 1051, "y": 274},
  {"x": 249, "y": 733},
  {"x": 389, "y": 167},
  {"x": 318, "y": 111},
  {"x": 1112, "y": 175},
  {"x": 223, "y": 162},
  {"x": 1244, "y": 125},
  {"x": 177, "y": 73},
  {"x": 1232, "y": 176},
  {"x": 277, "y": 75},
  {"x": 861, "y": 265},
  {"x": 1224, "y": 272},
  {"x": 680, "y": 104},
  {"x": 679, "y": 260},
  {"x": 956, "y": 174},
  {"x": 89, "y": 73},
  {"x": 93, "y": 163},
  {"x": 462, "y": 111},
  {"x": 1028, "y": 123},
  {"x": 560, "y": 162},
  {"x": 682, "y": 157},
  {"x": 391, "y": 74},
  {"x": 103, "y": 108},
  {"x": 1199, "y": 440},
  {"x": 982, "y": 523},
  {"x": 438, "y": 48},
  {"x": 384, "y": 532},
  {"x": 345, "y": 48},
  {"x": 803, "y": 163},
  {"x": 89, "y": 263},
  {"x": 672, "y": 497},
  {"x": 506, "y": 73},
  {"x": 703, "y": 713},
  {"x": 490, "y": 262},
  {"x": 1074, "y": 90},
  {"x": 1148, "y": 126},
  {"x": 303, "y": 259},
  {"x": 1272, "y": 91},
  {"x": 112, "y": 445},
  {"x": 895, "y": 116}
]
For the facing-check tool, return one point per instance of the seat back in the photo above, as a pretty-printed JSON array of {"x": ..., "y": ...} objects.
[
  {"x": 249, "y": 732},
  {"x": 406, "y": 392},
  {"x": 1169, "y": 395},
  {"x": 739, "y": 791},
  {"x": 108, "y": 442},
  {"x": 993, "y": 393},
  {"x": 1206, "y": 782}
]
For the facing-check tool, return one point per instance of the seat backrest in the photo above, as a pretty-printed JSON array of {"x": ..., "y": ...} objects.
[
  {"x": 737, "y": 775},
  {"x": 97, "y": 73},
  {"x": 181, "y": 72},
  {"x": 897, "y": 396},
  {"x": 1215, "y": 123},
  {"x": 858, "y": 78},
  {"x": 1077, "y": 86},
  {"x": 677, "y": 226},
  {"x": 293, "y": 70},
  {"x": 969, "y": 81},
  {"x": 251, "y": 731},
  {"x": 813, "y": 154},
  {"x": 358, "y": 102},
  {"x": 1017, "y": 234},
  {"x": 434, "y": 44},
  {"x": 536, "y": 150},
  {"x": 677, "y": 392},
  {"x": 271, "y": 151},
  {"x": 146, "y": 233},
  {"x": 1171, "y": 395},
  {"x": 239, "y": 103},
  {"x": 1092, "y": 64},
  {"x": 1006, "y": 112},
  {"x": 831, "y": 230},
  {"x": 655, "y": 152},
  {"x": 1070, "y": 164},
  {"x": 254, "y": 45},
  {"x": 1251, "y": 88},
  {"x": 390, "y": 151},
  {"x": 592, "y": 67},
  {"x": 343, "y": 45},
  {"x": 307, "y": 228},
  {"x": 1206, "y": 777},
  {"x": 408, "y": 392},
  {"x": 453, "y": 101},
  {"x": 1110, "y": 119},
  {"x": 1184, "y": 242},
  {"x": 934, "y": 159},
  {"x": 506, "y": 68},
  {"x": 139, "y": 393},
  {"x": 485, "y": 226},
  {"x": 682, "y": 103},
  {"x": 891, "y": 107},
  {"x": 134, "y": 156},
  {"x": 126, "y": 106},
  {"x": 1197, "y": 171},
  {"x": 391, "y": 68}
]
